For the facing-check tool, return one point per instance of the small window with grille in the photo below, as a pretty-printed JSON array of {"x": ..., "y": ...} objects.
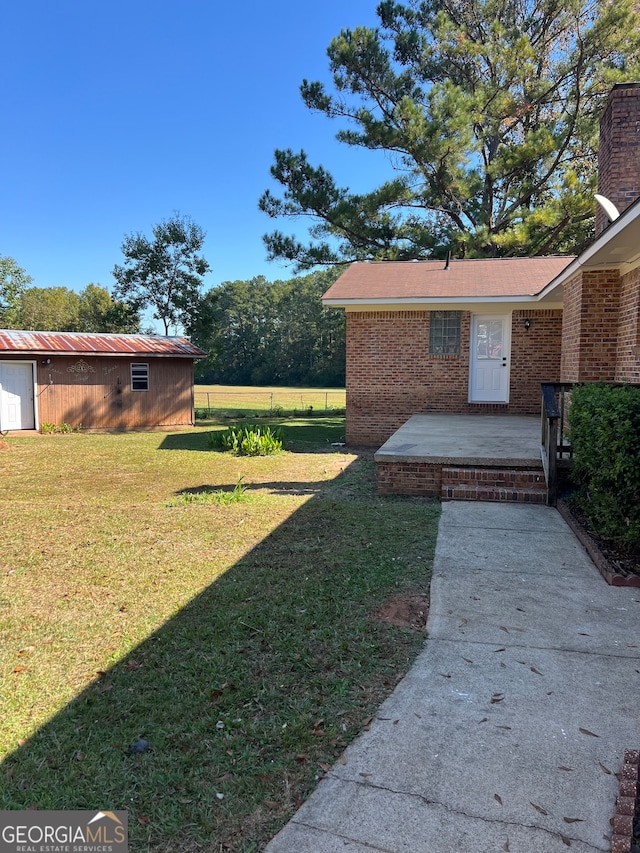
[
  {"x": 139, "y": 377},
  {"x": 444, "y": 333}
]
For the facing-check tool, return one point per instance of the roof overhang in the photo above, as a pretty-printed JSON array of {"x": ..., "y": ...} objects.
[
  {"x": 616, "y": 248},
  {"x": 421, "y": 302}
]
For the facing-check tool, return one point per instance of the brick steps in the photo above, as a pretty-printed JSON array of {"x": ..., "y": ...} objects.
[
  {"x": 493, "y": 484},
  {"x": 473, "y": 483}
]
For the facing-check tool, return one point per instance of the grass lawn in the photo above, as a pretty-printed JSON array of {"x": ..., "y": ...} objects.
[
  {"x": 237, "y": 638},
  {"x": 248, "y": 400}
]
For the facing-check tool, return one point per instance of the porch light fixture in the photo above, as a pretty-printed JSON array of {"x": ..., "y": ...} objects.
[
  {"x": 527, "y": 323},
  {"x": 46, "y": 361}
]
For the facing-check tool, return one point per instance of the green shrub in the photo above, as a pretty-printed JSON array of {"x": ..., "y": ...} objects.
[
  {"x": 604, "y": 422},
  {"x": 47, "y": 428},
  {"x": 250, "y": 440}
]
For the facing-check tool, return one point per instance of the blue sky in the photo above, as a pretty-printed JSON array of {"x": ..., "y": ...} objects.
[{"x": 117, "y": 114}]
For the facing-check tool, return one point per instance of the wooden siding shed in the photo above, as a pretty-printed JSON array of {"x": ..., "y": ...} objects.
[{"x": 95, "y": 381}]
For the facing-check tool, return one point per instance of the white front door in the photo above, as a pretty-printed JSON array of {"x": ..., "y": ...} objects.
[
  {"x": 16, "y": 396},
  {"x": 490, "y": 356}
]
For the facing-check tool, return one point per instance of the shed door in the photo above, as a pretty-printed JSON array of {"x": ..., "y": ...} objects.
[
  {"x": 16, "y": 396},
  {"x": 490, "y": 350}
]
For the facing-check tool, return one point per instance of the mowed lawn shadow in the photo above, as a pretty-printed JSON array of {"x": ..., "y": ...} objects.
[{"x": 252, "y": 688}]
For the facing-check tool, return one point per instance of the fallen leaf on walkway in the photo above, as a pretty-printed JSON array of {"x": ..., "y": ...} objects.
[
  {"x": 467, "y": 660},
  {"x": 343, "y": 760},
  {"x": 537, "y": 672},
  {"x": 483, "y": 720},
  {"x": 568, "y": 769},
  {"x": 500, "y": 650},
  {"x": 444, "y": 675},
  {"x": 503, "y": 665},
  {"x": 506, "y": 728},
  {"x": 505, "y": 846},
  {"x": 365, "y": 775},
  {"x": 573, "y": 820},
  {"x": 604, "y": 769},
  {"x": 565, "y": 840},
  {"x": 502, "y": 628},
  {"x": 587, "y": 732},
  {"x": 497, "y": 697},
  {"x": 497, "y": 798},
  {"x": 539, "y": 808}
]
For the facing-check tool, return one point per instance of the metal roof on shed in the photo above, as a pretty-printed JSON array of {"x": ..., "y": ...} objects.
[{"x": 72, "y": 343}]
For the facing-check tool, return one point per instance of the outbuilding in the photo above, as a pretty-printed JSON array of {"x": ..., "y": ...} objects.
[{"x": 95, "y": 381}]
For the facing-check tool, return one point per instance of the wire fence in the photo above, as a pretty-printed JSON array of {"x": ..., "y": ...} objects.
[{"x": 287, "y": 401}]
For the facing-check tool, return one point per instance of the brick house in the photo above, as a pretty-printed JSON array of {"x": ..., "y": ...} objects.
[{"x": 479, "y": 336}]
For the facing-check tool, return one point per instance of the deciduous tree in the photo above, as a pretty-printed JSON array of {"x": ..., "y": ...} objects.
[
  {"x": 487, "y": 109},
  {"x": 51, "y": 309},
  {"x": 164, "y": 273},
  {"x": 13, "y": 282},
  {"x": 99, "y": 312}
]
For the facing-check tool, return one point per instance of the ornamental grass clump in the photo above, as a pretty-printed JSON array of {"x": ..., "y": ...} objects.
[
  {"x": 250, "y": 440},
  {"x": 604, "y": 422}
]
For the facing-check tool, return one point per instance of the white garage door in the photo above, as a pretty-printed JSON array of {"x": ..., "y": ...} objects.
[{"x": 16, "y": 396}]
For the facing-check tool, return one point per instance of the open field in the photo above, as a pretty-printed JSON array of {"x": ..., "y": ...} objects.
[
  {"x": 248, "y": 400},
  {"x": 240, "y": 640}
]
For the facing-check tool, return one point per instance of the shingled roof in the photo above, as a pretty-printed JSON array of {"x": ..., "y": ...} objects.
[
  {"x": 422, "y": 281},
  {"x": 73, "y": 343}
]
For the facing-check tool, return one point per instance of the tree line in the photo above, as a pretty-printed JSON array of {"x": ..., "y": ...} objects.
[{"x": 271, "y": 333}]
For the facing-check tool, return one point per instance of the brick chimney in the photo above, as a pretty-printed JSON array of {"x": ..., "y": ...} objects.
[{"x": 619, "y": 152}]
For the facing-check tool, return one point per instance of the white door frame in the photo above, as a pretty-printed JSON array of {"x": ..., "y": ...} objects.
[
  {"x": 34, "y": 382},
  {"x": 502, "y": 362}
]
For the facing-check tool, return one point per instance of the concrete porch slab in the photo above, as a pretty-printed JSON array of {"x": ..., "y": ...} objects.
[{"x": 466, "y": 440}]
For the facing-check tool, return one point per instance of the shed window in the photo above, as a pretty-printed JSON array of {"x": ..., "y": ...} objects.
[
  {"x": 444, "y": 333},
  {"x": 139, "y": 377}
]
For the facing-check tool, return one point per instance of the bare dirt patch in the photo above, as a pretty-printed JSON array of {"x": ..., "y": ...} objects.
[
  {"x": 4, "y": 445},
  {"x": 406, "y": 611}
]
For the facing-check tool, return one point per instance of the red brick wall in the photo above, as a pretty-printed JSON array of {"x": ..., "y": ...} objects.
[
  {"x": 535, "y": 357},
  {"x": 590, "y": 327},
  {"x": 628, "y": 350},
  {"x": 619, "y": 152},
  {"x": 391, "y": 376}
]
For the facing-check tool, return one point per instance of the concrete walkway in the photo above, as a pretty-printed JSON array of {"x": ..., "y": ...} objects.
[{"x": 507, "y": 732}]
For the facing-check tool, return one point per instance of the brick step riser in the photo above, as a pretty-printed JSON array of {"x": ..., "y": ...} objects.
[
  {"x": 488, "y": 479},
  {"x": 481, "y": 484},
  {"x": 506, "y": 495}
]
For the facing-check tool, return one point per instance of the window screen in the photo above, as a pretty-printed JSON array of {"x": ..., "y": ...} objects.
[
  {"x": 444, "y": 333},
  {"x": 139, "y": 377}
]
